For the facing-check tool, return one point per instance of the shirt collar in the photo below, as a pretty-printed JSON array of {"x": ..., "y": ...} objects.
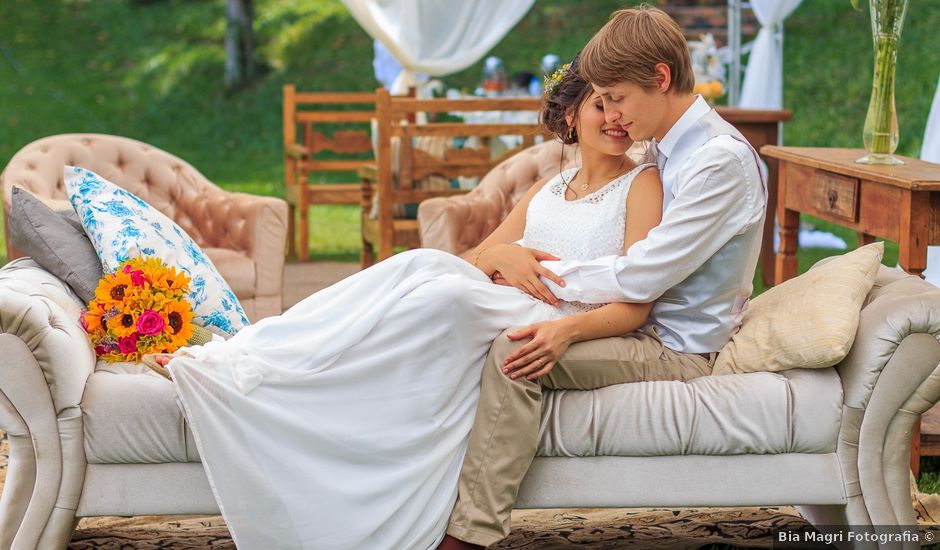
[{"x": 697, "y": 110}]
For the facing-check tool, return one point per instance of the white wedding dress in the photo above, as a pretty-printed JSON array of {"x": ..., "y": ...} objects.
[{"x": 343, "y": 422}]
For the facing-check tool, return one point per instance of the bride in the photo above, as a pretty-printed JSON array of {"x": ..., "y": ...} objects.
[{"x": 342, "y": 423}]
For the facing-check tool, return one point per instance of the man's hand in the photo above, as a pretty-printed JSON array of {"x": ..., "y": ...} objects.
[
  {"x": 548, "y": 341},
  {"x": 519, "y": 267}
]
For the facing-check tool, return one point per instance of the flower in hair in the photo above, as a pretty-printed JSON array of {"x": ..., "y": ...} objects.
[{"x": 552, "y": 82}]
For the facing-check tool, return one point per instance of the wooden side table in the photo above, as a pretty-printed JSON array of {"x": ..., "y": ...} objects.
[{"x": 898, "y": 203}]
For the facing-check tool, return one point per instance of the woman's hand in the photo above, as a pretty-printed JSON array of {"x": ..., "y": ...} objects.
[
  {"x": 519, "y": 267},
  {"x": 548, "y": 341}
]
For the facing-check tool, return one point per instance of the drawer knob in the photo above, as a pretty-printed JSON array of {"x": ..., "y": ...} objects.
[{"x": 833, "y": 196}]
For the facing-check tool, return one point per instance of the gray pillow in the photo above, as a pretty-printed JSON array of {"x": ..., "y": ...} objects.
[{"x": 55, "y": 242}]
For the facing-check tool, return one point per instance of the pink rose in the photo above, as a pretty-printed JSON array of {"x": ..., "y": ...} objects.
[
  {"x": 137, "y": 276},
  {"x": 128, "y": 344},
  {"x": 150, "y": 322}
]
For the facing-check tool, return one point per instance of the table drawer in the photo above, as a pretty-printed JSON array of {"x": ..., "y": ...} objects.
[{"x": 835, "y": 195}]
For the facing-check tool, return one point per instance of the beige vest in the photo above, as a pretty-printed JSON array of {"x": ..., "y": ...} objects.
[{"x": 700, "y": 314}]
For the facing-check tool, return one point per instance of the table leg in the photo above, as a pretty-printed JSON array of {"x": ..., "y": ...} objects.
[
  {"x": 915, "y": 231},
  {"x": 787, "y": 266},
  {"x": 915, "y": 450},
  {"x": 864, "y": 238},
  {"x": 767, "y": 242}
]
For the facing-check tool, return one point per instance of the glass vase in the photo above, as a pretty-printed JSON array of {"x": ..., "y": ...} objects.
[{"x": 880, "y": 133}]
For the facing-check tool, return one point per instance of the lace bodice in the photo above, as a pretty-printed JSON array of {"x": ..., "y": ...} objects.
[{"x": 583, "y": 229}]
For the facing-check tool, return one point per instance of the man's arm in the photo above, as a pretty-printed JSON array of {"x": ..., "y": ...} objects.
[{"x": 719, "y": 195}]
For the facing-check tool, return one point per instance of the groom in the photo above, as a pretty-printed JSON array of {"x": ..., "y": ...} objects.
[{"x": 697, "y": 265}]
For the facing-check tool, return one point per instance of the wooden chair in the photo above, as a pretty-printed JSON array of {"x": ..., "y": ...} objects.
[
  {"x": 333, "y": 137},
  {"x": 381, "y": 228}
]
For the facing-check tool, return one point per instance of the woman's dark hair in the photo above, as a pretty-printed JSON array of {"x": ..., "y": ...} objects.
[{"x": 567, "y": 94}]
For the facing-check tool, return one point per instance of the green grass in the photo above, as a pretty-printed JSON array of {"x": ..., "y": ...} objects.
[{"x": 152, "y": 70}]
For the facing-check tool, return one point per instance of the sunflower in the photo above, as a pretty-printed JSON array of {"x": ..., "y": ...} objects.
[
  {"x": 179, "y": 322},
  {"x": 123, "y": 324},
  {"x": 112, "y": 287},
  {"x": 165, "y": 278},
  {"x": 92, "y": 322}
]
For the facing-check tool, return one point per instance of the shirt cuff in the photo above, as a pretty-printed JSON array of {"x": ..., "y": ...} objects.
[{"x": 591, "y": 282}]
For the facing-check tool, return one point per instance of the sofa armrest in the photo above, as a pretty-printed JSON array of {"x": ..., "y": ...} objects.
[
  {"x": 889, "y": 378},
  {"x": 900, "y": 309},
  {"x": 39, "y": 310},
  {"x": 257, "y": 226},
  {"x": 457, "y": 224}
]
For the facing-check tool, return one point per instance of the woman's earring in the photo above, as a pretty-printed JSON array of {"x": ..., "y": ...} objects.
[{"x": 570, "y": 133}]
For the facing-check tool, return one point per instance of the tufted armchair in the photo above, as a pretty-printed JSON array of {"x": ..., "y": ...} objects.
[
  {"x": 457, "y": 224},
  {"x": 244, "y": 235}
]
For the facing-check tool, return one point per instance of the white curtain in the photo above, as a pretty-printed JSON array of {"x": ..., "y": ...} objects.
[
  {"x": 930, "y": 151},
  {"x": 437, "y": 37},
  {"x": 763, "y": 81}
]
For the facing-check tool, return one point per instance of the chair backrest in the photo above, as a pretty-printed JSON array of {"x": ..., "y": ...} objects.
[
  {"x": 164, "y": 181},
  {"x": 396, "y": 118},
  {"x": 326, "y": 132}
]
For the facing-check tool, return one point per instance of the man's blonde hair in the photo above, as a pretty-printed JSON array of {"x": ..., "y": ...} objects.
[{"x": 631, "y": 44}]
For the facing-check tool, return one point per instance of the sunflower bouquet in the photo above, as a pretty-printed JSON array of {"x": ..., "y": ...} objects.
[{"x": 138, "y": 309}]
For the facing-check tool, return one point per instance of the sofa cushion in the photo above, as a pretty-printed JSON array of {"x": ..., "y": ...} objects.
[
  {"x": 797, "y": 411},
  {"x": 132, "y": 416},
  {"x": 55, "y": 243},
  {"x": 121, "y": 225},
  {"x": 806, "y": 322}
]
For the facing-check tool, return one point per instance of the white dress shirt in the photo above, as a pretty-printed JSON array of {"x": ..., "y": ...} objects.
[{"x": 699, "y": 262}]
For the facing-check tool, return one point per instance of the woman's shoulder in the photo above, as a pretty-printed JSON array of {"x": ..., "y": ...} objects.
[{"x": 647, "y": 181}]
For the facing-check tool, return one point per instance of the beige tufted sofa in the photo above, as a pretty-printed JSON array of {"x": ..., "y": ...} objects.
[
  {"x": 244, "y": 235},
  {"x": 90, "y": 440}
]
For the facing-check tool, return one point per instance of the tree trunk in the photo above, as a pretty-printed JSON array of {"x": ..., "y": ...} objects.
[{"x": 240, "y": 62}]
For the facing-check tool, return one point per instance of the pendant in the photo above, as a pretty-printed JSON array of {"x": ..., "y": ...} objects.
[{"x": 584, "y": 186}]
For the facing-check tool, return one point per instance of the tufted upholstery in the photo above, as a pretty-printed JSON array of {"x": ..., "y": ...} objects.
[
  {"x": 244, "y": 235},
  {"x": 457, "y": 224}
]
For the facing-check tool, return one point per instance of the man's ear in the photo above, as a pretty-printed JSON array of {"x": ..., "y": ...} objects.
[{"x": 663, "y": 77}]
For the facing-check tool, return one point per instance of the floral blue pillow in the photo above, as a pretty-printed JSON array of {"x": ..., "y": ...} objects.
[{"x": 122, "y": 226}]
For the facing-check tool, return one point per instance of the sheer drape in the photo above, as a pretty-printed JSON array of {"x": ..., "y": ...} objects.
[
  {"x": 763, "y": 81},
  {"x": 437, "y": 37},
  {"x": 930, "y": 151}
]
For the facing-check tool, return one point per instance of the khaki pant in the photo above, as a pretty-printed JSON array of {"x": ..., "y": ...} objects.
[{"x": 504, "y": 438}]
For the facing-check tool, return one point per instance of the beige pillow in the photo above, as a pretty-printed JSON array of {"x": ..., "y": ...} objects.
[{"x": 807, "y": 322}]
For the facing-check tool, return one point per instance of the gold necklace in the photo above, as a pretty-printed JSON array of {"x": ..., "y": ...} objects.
[{"x": 585, "y": 185}]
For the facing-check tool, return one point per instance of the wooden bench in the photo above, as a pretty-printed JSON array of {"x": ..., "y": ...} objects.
[{"x": 382, "y": 229}]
